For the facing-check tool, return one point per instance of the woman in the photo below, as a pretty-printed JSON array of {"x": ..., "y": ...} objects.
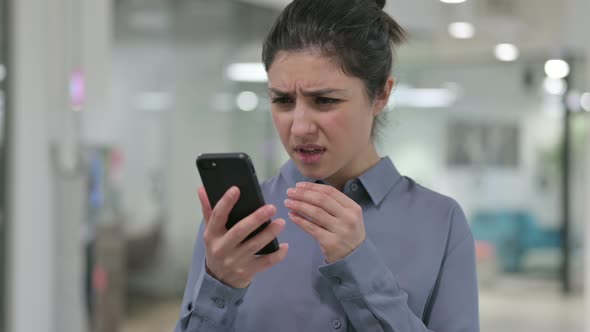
[{"x": 375, "y": 251}]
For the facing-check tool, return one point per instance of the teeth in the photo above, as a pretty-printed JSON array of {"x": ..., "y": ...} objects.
[{"x": 311, "y": 150}]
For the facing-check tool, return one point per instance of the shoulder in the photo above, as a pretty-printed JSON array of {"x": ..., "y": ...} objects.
[
  {"x": 414, "y": 194},
  {"x": 437, "y": 211}
]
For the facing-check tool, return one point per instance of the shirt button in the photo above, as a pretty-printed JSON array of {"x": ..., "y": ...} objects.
[
  {"x": 220, "y": 303},
  {"x": 336, "y": 280},
  {"x": 336, "y": 324},
  {"x": 354, "y": 186}
]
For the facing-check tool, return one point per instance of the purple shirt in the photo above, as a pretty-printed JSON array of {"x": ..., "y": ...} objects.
[{"x": 414, "y": 272}]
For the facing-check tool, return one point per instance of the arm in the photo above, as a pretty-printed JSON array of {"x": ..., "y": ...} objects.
[
  {"x": 207, "y": 304},
  {"x": 373, "y": 301}
]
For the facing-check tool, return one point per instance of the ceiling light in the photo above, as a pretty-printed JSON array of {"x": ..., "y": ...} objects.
[
  {"x": 452, "y": 1},
  {"x": 554, "y": 86},
  {"x": 506, "y": 52},
  {"x": 585, "y": 101},
  {"x": 2, "y": 72},
  {"x": 247, "y": 101},
  {"x": 422, "y": 98},
  {"x": 461, "y": 30},
  {"x": 247, "y": 72},
  {"x": 557, "y": 68}
]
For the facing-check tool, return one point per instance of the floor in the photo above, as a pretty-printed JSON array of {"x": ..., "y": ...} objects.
[
  {"x": 511, "y": 305},
  {"x": 524, "y": 305}
]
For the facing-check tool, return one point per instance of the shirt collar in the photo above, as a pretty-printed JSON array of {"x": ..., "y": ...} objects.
[
  {"x": 380, "y": 179},
  {"x": 377, "y": 180}
]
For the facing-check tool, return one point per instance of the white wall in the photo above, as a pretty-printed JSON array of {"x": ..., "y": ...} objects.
[
  {"x": 47, "y": 187},
  {"x": 31, "y": 235}
]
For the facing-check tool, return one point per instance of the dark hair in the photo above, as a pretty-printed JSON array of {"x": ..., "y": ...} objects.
[{"x": 358, "y": 33}]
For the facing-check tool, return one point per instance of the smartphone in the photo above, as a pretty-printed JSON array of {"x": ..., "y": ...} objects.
[{"x": 221, "y": 171}]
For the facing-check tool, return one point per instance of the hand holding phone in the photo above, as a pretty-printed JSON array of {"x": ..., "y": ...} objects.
[{"x": 232, "y": 240}]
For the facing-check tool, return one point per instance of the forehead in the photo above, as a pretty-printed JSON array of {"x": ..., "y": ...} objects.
[{"x": 307, "y": 69}]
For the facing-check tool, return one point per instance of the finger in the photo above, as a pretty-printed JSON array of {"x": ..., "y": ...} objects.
[
  {"x": 205, "y": 205},
  {"x": 317, "y": 232},
  {"x": 262, "y": 263},
  {"x": 336, "y": 194},
  {"x": 316, "y": 198},
  {"x": 317, "y": 215},
  {"x": 244, "y": 227},
  {"x": 263, "y": 238},
  {"x": 222, "y": 209}
]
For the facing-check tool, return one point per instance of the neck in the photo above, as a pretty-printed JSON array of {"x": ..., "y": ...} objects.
[{"x": 361, "y": 163}]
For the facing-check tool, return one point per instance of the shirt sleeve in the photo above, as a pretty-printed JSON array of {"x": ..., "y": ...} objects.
[
  {"x": 373, "y": 300},
  {"x": 208, "y": 305}
]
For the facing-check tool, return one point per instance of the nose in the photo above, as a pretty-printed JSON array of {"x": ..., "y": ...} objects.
[{"x": 303, "y": 122}]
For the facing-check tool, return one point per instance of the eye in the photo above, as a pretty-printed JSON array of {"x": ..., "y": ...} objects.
[
  {"x": 325, "y": 100},
  {"x": 281, "y": 100}
]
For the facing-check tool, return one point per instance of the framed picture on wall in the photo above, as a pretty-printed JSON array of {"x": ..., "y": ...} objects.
[{"x": 483, "y": 145}]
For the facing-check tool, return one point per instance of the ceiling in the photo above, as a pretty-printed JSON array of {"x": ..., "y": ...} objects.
[
  {"x": 541, "y": 29},
  {"x": 538, "y": 27}
]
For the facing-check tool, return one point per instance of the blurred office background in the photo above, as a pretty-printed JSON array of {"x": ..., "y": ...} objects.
[{"x": 104, "y": 106}]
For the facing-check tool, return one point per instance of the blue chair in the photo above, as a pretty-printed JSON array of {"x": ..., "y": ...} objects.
[{"x": 513, "y": 233}]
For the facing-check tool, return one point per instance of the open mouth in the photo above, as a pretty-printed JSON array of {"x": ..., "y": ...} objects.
[{"x": 309, "y": 153}]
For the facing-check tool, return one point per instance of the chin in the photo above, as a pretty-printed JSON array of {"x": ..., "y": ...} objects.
[
  {"x": 317, "y": 171},
  {"x": 313, "y": 174}
]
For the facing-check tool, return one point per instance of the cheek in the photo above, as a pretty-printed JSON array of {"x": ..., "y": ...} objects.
[
  {"x": 282, "y": 123},
  {"x": 363, "y": 122},
  {"x": 336, "y": 124},
  {"x": 340, "y": 130},
  {"x": 349, "y": 125}
]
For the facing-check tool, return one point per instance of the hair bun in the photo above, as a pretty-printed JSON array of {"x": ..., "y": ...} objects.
[{"x": 381, "y": 3}]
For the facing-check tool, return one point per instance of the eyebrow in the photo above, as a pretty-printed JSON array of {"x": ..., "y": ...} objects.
[{"x": 312, "y": 93}]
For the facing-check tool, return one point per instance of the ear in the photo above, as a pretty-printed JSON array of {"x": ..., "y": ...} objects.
[{"x": 382, "y": 98}]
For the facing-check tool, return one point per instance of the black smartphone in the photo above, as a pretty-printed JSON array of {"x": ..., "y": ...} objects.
[{"x": 221, "y": 171}]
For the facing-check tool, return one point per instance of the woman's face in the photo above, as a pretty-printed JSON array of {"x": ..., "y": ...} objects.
[{"x": 323, "y": 116}]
